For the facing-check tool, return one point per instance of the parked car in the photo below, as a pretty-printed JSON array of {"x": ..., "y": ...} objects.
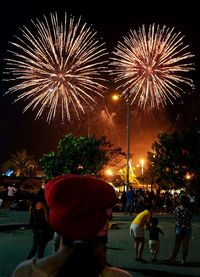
[{"x": 20, "y": 205}]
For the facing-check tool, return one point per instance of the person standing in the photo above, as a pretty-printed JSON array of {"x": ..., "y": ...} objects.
[
  {"x": 154, "y": 240},
  {"x": 138, "y": 225},
  {"x": 130, "y": 200},
  {"x": 183, "y": 228},
  {"x": 11, "y": 193},
  {"x": 42, "y": 232}
]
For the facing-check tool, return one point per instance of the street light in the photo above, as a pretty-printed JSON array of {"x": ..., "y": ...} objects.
[
  {"x": 188, "y": 176},
  {"x": 115, "y": 97},
  {"x": 109, "y": 172},
  {"x": 128, "y": 140},
  {"x": 142, "y": 165}
]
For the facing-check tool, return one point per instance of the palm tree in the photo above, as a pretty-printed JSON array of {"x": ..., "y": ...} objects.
[{"x": 21, "y": 163}]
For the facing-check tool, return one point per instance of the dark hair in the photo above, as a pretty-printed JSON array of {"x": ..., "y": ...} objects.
[
  {"x": 82, "y": 261},
  {"x": 185, "y": 201},
  {"x": 154, "y": 221},
  {"x": 39, "y": 197}
]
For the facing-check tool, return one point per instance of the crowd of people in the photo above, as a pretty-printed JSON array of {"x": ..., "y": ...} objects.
[
  {"x": 162, "y": 202},
  {"x": 75, "y": 210}
]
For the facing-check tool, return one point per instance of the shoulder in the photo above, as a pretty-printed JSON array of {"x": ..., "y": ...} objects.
[
  {"x": 28, "y": 268},
  {"x": 115, "y": 272}
]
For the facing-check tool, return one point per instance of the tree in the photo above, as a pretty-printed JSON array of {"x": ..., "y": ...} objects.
[
  {"x": 175, "y": 156},
  {"x": 80, "y": 155},
  {"x": 21, "y": 163}
]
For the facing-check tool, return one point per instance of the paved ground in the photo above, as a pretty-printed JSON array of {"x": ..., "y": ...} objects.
[
  {"x": 16, "y": 242},
  {"x": 122, "y": 253}
]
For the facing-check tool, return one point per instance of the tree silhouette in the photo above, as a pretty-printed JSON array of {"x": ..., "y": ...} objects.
[{"x": 21, "y": 163}]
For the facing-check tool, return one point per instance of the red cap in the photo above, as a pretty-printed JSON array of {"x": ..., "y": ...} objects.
[{"x": 78, "y": 205}]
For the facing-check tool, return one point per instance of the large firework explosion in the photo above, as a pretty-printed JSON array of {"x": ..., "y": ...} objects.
[
  {"x": 57, "y": 66},
  {"x": 149, "y": 65}
]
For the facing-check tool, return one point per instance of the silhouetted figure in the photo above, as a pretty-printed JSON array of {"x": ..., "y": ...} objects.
[
  {"x": 183, "y": 228},
  {"x": 154, "y": 238},
  {"x": 42, "y": 232},
  {"x": 130, "y": 200}
]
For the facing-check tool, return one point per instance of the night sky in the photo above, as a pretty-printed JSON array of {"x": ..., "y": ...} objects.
[{"x": 21, "y": 131}]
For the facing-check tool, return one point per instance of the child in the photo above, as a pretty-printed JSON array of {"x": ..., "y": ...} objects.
[{"x": 154, "y": 242}]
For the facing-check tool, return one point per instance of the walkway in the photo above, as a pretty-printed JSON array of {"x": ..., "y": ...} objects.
[{"x": 16, "y": 242}]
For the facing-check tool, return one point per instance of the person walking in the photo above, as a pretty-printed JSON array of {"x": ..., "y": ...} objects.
[
  {"x": 78, "y": 210},
  {"x": 42, "y": 232},
  {"x": 154, "y": 238},
  {"x": 137, "y": 227},
  {"x": 183, "y": 229},
  {"x": 11, "y": 193}
]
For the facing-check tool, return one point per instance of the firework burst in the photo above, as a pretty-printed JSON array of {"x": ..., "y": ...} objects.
[
  {"x": 57, "y": 66},
  {"x": 149, "y": 65}
]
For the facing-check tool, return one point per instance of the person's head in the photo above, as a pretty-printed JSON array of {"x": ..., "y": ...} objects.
[
  {"x": 39, "y": 197},
  {"x": 185, "y": 201},
  {"x": 78, "y": 205},
  {"x": 154, "y": 221}
]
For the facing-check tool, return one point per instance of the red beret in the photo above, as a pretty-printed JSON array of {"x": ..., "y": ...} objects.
[{"x": 78, "y": 204}]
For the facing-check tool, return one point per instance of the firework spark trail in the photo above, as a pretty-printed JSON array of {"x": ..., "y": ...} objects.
[
  {"x": 57, "y": 66},
  {"x": 148, "y": 65}
]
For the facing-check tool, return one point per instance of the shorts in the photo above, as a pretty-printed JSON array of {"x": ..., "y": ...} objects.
[
  {"x": 136, "y": 231},
  {"x": 154, "y": 245},
  {"x": 183, "y": 231}
]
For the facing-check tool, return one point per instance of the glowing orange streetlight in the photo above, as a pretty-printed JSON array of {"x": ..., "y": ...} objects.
[
  {"x": 115, "y": 97},
  {"x": 188, "y": 176},
  {"x": 142, "y": 165},
  {"x": 109, "y": 172}
]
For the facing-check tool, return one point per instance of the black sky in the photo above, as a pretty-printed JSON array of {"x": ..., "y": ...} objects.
[{"x": 112, "y": 20}]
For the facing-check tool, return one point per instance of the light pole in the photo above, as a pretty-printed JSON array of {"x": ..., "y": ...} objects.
[
  {"x": 142, "y": 170},
  {"x": 128, "y": 140},
  {"x": 128, "y": 134}
]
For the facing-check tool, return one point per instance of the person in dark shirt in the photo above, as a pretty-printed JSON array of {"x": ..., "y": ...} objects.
[
  {"x": 183, "y": 228},
  {"x": 41, "y": 229},
  {"x": 154, "y": 238}
]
